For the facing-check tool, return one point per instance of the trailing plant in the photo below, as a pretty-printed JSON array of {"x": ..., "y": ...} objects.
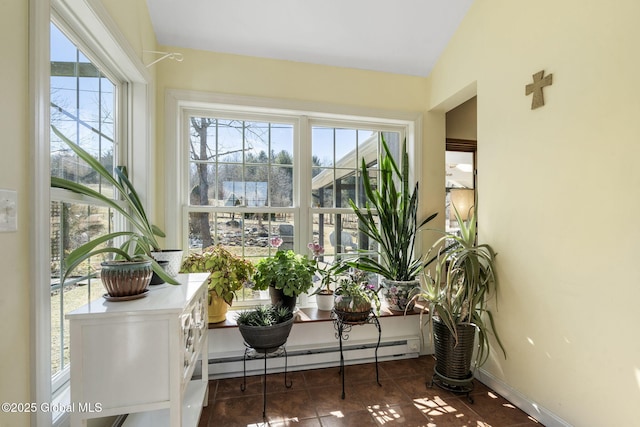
[
  {"x": 228, "y": 272},
  {"x": 264, "y": 315},
  {"x": 286, "y": 270},
  {"x": 139, "y": 242},
  {"x": 389, "y": 217},
  {"x": 463, "y": 283}
]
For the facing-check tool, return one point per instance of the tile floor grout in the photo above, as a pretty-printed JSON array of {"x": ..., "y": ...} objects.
[{"x": 314, "y": 400}]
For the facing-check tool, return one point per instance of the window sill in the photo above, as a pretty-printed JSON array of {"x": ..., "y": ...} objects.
[{"x": 311, "y": 314}]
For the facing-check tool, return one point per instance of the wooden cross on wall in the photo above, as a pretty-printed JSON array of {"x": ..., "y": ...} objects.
[{"x": 536, "y": 88}]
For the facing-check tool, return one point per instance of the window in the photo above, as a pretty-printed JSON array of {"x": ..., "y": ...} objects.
[
  {"x": 250, "y": 176},
  {"x": 94, "y": 90},
  {"x": 83, "y": 108}
]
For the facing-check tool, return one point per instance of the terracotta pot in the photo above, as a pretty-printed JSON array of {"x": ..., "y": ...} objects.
[{"x": 126, "y": 278}]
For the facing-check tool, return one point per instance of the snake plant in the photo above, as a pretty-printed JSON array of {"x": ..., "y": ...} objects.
[{"x": 389, "y": 217}]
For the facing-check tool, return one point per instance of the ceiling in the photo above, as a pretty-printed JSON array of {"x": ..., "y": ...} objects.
[{"x": 395, "y": 36}]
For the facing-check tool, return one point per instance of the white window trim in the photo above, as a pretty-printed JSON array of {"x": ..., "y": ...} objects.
[
  {"x": 89, "y": 20},
  {"x": 179, "y": 103}
]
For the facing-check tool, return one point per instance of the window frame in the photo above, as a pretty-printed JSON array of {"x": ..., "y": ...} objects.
[
  {"x": 182, "y": 104},
  {"x": 98, "y": 36}
]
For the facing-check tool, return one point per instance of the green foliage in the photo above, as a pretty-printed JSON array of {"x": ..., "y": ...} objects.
[
  {"x": 464, "y": 280},
  {"x": 229, "y": 272},
  {"x": 354, "y": 290},
  {"x": 139, "y": 242},
  {"x": 389, "y": 218},
  {"x": 264, "y": 315},
  {"x": 286, "y": 270}
]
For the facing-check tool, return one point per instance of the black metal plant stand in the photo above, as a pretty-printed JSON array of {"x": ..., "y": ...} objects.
[
  {"x": 458, "y": 386},
  {"x": 263, "y": 351},
  {"x": 343, "y": 328}
]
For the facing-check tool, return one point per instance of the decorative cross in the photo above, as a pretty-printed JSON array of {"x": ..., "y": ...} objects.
[{"x": 536, "y": 88}]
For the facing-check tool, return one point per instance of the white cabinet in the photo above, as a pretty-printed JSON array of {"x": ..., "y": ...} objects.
[{"x": 137, "y": 357}]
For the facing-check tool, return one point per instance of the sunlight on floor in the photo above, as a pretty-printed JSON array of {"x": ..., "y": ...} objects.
[
  {"x": 434, "y": 407},
  {"x": 386, "y": 414}
]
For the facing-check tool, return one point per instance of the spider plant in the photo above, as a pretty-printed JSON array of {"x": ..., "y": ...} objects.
[
  {"x": 389, "y": 217},
  {"x": 464, "y": 281},
  {"x": 138, "y": 242}
]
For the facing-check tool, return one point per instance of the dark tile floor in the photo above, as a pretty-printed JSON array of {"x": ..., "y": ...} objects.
[{"x": 314, "y": 400}]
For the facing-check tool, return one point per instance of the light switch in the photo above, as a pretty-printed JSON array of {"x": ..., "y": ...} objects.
[{"x": 8, "y": 210}]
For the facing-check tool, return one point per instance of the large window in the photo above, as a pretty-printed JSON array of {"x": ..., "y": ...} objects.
[
  {"x": 249, "y": 178},
  {"x": 83, "y": 108}
]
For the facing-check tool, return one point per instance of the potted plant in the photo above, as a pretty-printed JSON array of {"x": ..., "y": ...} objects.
[
  {"x": 286, "y": 275},
  {"x": 134, "y": 253},
  {"x": 326, "y": 275},
  {"x": 228, "y": 274},
  {"x": 354, "y": 298},
  {"x": 456, "y": 301},
  {"x": 389, "y": 218},
  {"x": 265, "y": 327}
]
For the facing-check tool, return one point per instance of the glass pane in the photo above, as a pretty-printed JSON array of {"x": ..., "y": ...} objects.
[
  {"x": 338, "y": 234},
  {"x": 322, "y": 146},
  {"x": 345, "y": 187},
  {"x": 322, "y": 187},
  {"x": 246, "y": 234},
  {"x": 71, "y": 226},
  {"x": 202, "y": 184},
  {"x": 281, "y": 186},
  {"x": 82, "y": 109}
]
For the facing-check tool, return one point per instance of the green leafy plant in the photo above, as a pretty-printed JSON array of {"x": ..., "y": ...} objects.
[
  {"x": 325, "y": 273},
  {"x": 264, "y": 315},
  {"x": 139, "y": 242},
  {"x": 389, "y": 218},
  {"x": 229, "y": 272},
  {"x": 286, "y": 270},
  {"x": 354, "y": 293},
  {"x": 463, "y": 283}
]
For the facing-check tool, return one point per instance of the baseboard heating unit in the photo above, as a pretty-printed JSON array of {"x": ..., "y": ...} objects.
[{"x": 300, "y": 357}]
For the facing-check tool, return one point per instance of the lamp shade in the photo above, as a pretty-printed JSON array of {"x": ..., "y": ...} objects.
[{"x": 463, "y": 199}]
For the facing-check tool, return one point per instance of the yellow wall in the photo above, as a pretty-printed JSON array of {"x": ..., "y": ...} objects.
[
  {"x": 558, "y": 195},
  {"x": 15, "y": 175},
  {"x": 555, "y": 184},
  {"x": 240, "y": 75}
]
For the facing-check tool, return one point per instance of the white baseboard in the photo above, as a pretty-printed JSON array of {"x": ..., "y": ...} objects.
[{"x": 541, "y": 414}]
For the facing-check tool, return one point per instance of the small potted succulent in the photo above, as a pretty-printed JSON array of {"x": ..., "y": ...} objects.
[
  {"x": 326, "y": 275},
  {"x": 286, "y": 275},
  {"x": 354, "y": 297},
  {"x": 265, "y": 327},
  {"x": 229, "y": 273}
]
